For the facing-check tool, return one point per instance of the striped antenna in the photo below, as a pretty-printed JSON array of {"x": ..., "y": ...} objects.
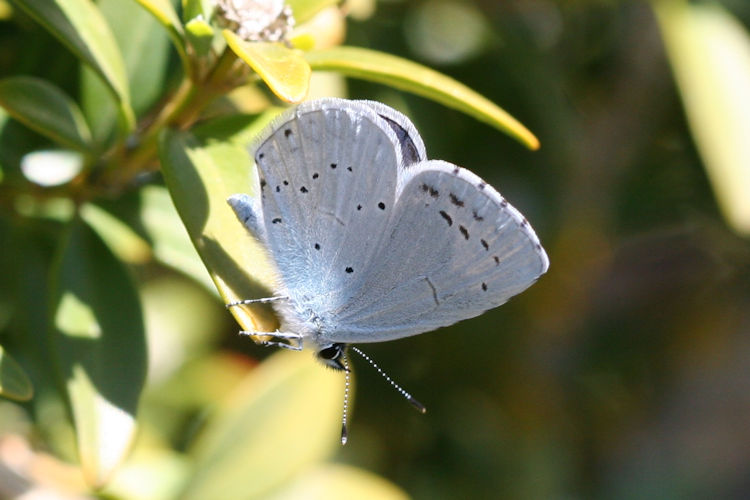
[
  {"x": 344, "y": 416},
  {"x": 416, "y": 404}
]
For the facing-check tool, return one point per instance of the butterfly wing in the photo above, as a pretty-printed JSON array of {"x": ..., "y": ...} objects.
[
  {"x": 324, "y": 209},
  {"x": 455, "y": 248}
]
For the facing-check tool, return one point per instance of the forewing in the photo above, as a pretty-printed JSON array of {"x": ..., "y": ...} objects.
[
  {"x": 328, "y": 186},
  {"x": 455, "y": 249}
]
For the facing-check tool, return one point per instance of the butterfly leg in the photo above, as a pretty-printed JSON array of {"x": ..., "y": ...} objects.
[
  {"x": 293, "y": 340},
  {"x": 264, "y": 300}
]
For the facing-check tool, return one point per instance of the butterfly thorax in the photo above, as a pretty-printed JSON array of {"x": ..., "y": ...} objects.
[{"x": 305, "y": 320}]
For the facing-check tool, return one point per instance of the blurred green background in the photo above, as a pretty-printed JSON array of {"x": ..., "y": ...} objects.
[{"x": 623, "y": 373}]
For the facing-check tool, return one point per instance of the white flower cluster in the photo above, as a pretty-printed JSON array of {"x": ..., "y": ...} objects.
[{"x": 256, "y": 20}]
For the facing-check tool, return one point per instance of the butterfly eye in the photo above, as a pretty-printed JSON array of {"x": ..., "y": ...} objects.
[
  {"x": 332, "y": 356},
  {"x": 330, "y": 352}
]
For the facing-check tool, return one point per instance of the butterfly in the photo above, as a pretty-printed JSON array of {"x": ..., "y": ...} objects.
[{"x": 370, "y": 239}]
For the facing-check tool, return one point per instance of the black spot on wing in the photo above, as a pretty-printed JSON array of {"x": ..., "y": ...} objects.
[
  {"x": 287, "y": 132},
  {"x": 303, "y": 189},
  {"x": 349, "y": 270},
  {"x": 464, "y": 231},
  {"x": 485, "y": 244},
  {"x": 276, "y": 220},
  {"x": 455, "y": 200},
  {"x": 381, "y": 205},
  {"x": 447, "y": 217}
]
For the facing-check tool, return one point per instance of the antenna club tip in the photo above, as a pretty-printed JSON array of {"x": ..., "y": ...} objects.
[
  {"x": 344, "y": 435},
  {"x": 419, "y": 406}
]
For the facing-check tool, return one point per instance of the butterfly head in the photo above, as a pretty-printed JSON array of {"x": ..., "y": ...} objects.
[{"x": 333, "y": 355}]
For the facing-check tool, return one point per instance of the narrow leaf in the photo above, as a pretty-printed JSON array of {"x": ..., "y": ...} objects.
[
  {"x": 202, "y": 169},
  {"x": 412, "y": 77},
  {"x": 81, "y": 27},
  {"x": 45, "y": 108},
  {"x": 315, "y": 484},
  {"x": 284, "y": 417},
  {"x": 144, "y": 225},
  {"x": 201, "y": 36},
  {"x": 194, "y": 8},
  {"x": 145, "y": 52},
  {"x": 99, "y": 342},
  {"x": 304, "y": 10},
  {"x": 284, "y": 70},
  {"x": 170, "y": 242},
  {"x": 14, "y": 383},
  {"x": 164, "y": 12},
  {"x": 710, "y": 54}
]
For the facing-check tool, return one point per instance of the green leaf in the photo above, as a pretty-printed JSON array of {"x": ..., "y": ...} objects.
[
  {"x": 99, "y": 342},
  {"x": 201, "y": 36},
  {"x": 284, "y": 70},
  {"x": 315, "y": 484},
  {"x": 202, "y": 169},
  {"x": 81, "y": 27},
  {"x": 45, "y": 108},
  {"x": 284, "y": 417},
  {"x": 412, "y": 77},
  {"x": 164, "y": 12},
  {"x": 709, "y": 51},
  {"x": 303, "y": 10},
  {"x": 14, "y": 383},
  {"x": 145, "y": 52},
  {"x": 169, "y": 239},
  {"x": 143, "y": 226},
  {"x": 194, "y": 8}
]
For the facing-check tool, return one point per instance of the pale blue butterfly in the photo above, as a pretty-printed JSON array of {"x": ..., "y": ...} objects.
[{"x": 371, "y": 240}]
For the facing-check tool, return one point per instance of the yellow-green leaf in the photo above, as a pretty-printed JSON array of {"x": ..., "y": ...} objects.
[
  {"x": 14, "y": 384},
  {"x": 145, "y": 50},
  {"x": 412, "y": 77},
  {"x": 81, "y": 27},
  {"x": 284, "y": 70},
  {"x": 710, "y": 54},
  {"x": 146, "y": 225},
  {"x": 194, "y": 8},
  {"x": 202, "y": 169},
  {"x": 165, "y": 13},
  {"x": 284, "y": 417},
  {"x": 303, "y": 10},
  {"x": 315, "y": 484},
  {"x": 99, "y": 343},
  {"x": 201, "y": 36},
  {"x": 45, "y": 108}
]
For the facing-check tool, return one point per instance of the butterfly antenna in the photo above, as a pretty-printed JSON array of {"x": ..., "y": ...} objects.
[
  {"x": 416, "y": 404},
  {"x": 344, "y": 431}
]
